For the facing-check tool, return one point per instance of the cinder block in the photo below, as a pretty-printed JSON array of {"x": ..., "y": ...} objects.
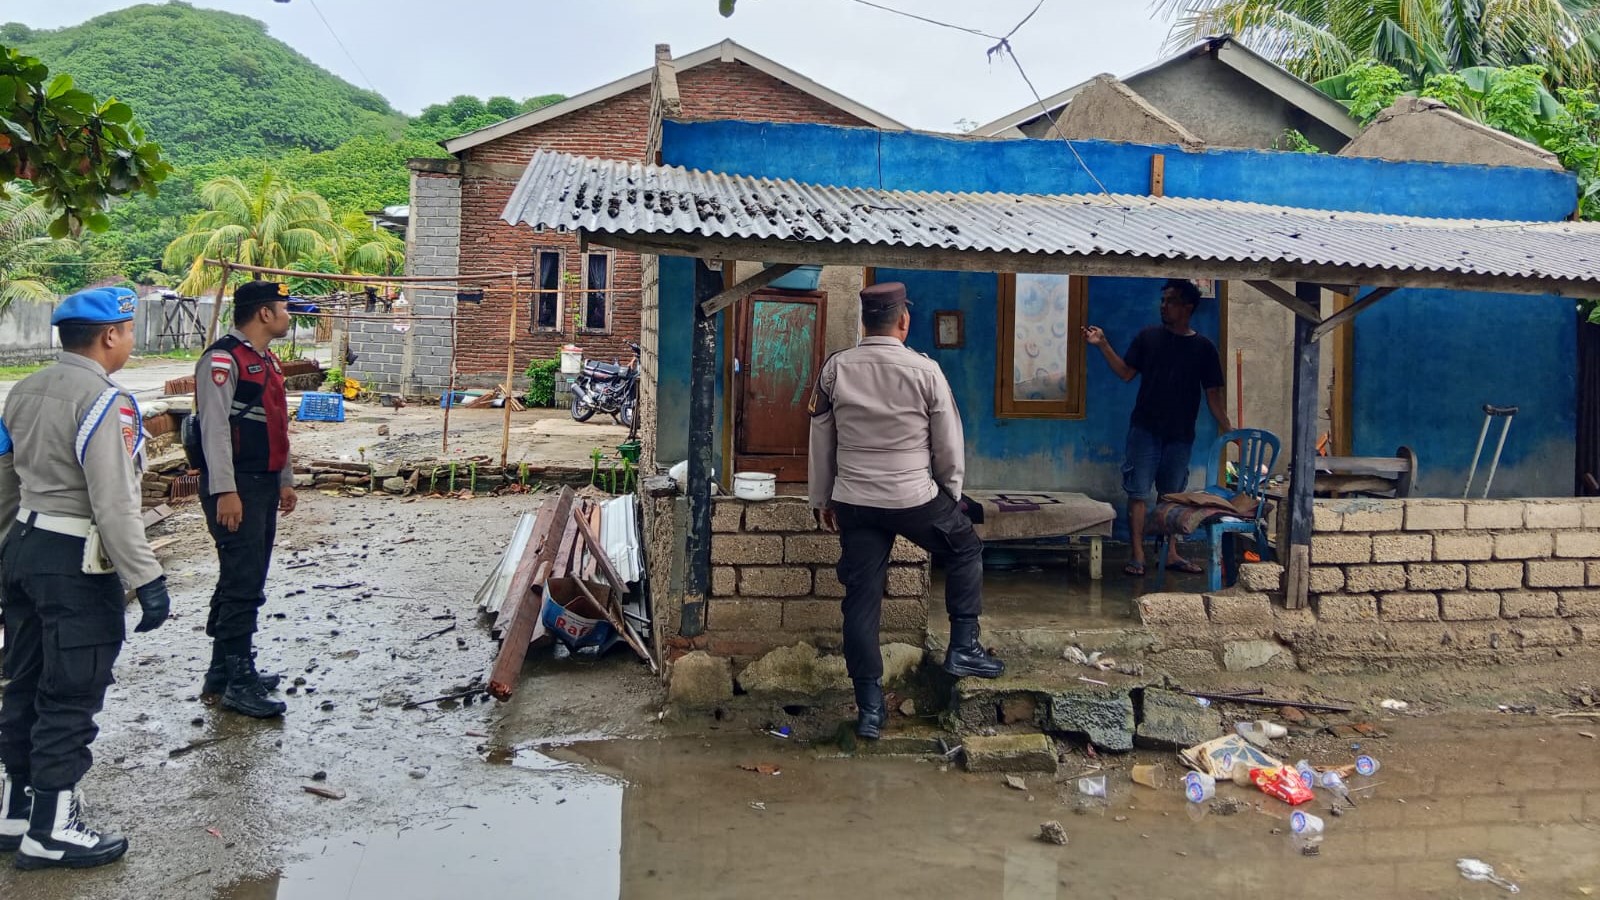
[
  {"x": 1408, "y": 607},
  {"x": 747, "y": 549},
  {"x": 1465, "y": 547},
  {"x": 1436, "y": 576},
  {"x": 1172, "y": 609},
  {"x": 1326, "y": 579},
  {"x": 1435, "y": 515},
  {"x": 724, "y": 581},
  {"x": 745, "y": 615},
  {"x": 1469, "y": 606},
  {"x": 774, "y": 581},
  {"x": 1523, "y": 545},
  {"x": 812, "y": 615},
  {"x": 1267, "y": 577},
  {"x": 727, "y": 515},
  {"x": 1593, "y": 568},
  {"x": 1494, "y": 515},
  {"x": 1529, "y": 604},
  {"x": 1374, "y": 579},
  {"x": 908, "y": 581},
  {"x": 1580, "y": 604},
  {"x": 1494, "y": 576},
  {"x": 1554, "y": 633},
  {"x": 1325, "y": 518},
  {"x": 1578, "y": 544},
  {"x": 1553, "y": 514},
  {"x": 1340, "y": 549},
  {"x": 1239, "y": 609},
  {"x": 1393, "y": 548},
  {"x": 1556, "y": 573},
  {"x": 810, "y": 548},
  {"x": 907, "y": 552},
  {"x": 1373, "y": 515},
  {"x": 901, "y": 615},
  {"x": 1591, "y": 513},
  {"x": 1346, "y": 607},
  {"x": 780, "y": 514},
  {"x": 825, "y": 582},
  {"x": 1587, "y": 632}
]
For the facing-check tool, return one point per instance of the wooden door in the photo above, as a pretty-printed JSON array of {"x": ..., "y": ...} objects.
[{"x": 781, "y": 336}]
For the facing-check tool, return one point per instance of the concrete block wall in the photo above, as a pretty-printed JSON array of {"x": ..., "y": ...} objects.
[
  {"x": 773, "y": 580},
  {"x": 1411, "y": 584}
]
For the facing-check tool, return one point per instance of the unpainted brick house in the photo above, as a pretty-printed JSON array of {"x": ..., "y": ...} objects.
[{"x": 587, "y": 297}]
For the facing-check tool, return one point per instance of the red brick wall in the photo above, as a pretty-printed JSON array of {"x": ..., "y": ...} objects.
[{"x": 613, "y": 129}]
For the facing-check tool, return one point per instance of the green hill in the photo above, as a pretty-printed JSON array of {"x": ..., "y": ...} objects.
[{"x": 209, "y": 85}]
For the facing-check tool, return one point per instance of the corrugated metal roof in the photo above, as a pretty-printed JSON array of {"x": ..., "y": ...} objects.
[{"x": 570, "y": 193}]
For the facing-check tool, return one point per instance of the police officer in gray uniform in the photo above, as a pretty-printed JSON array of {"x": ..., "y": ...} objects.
[
  {"x": 77, "y": 537},
  {"x": 888, "y": 458}
]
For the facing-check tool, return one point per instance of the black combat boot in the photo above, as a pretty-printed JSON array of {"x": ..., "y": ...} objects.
[
  {"x": 872, "y": 714},
  {"x": 56, "y": 839},
  {"x": 244, "y": 693},
  {"x": 14, "y": 806},
  {"x": 217, "y": 679},
  {"x": 966, "y": 656}
]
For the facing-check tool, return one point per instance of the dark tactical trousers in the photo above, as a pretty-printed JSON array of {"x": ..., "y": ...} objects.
[
  {"x": 243, "y": 556},
  {"x": 866, "y": 538},
  {"x": 63, "y": 631}
]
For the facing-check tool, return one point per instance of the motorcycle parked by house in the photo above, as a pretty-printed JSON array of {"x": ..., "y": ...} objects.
[{"x": 610, "y": 388}]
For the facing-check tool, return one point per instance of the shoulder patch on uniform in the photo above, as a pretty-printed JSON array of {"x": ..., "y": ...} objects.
[
  {"x": 820, "y": 402},
  {"x": 92, "y": 420}
]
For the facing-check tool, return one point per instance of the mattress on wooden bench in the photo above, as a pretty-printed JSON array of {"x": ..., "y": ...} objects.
[{"x": 1060, "y": 514}]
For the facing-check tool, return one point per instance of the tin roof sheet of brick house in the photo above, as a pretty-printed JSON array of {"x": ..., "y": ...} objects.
[{"x": 726, "y": 51}]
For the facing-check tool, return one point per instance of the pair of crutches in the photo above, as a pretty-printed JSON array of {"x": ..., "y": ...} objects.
[{"x": 1490, "y": 413}]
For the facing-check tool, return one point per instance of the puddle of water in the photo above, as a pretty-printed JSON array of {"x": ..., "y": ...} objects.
[{"x": 564, "y": 843}]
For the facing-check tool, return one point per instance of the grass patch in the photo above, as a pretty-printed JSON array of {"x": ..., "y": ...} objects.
[{"x": 17, "y": 373}]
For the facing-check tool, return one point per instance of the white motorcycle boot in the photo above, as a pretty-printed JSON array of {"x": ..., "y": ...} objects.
[{"x": 57, "y": 839}]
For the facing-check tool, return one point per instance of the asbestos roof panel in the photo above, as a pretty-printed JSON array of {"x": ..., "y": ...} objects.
[{"x": 570, "y": 193}]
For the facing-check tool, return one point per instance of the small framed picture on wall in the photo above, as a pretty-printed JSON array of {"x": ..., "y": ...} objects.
[
  {"x": 1208, "y": 288},
  {"x": 949, "y": 333}
]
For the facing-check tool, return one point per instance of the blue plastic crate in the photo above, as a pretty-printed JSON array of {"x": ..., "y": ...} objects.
[{"x": 321, "y": 407}]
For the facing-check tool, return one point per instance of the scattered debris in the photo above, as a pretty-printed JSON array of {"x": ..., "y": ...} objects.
[
  {"x": 757, "y": 804},
  {"x": 1218, "y": 758},
  {"x": 1293, "y": 715},
  {"x": 908, "y": 708},
  {"x": 1016, "y": 783},
  {"x": 1478, "y": 870},
  {"x": 1247, "y": 697},
  {"x": 196, "y": 745},
  {"x": 1092, "y": 786},
  {"x": 1394, "y": 705},
  {"x": 761, "y": 768},
  {"x": 1260, "y": 732},
  {"x": 1051, "y": 832},
  {"x": 329, "y": 793},
  {"x": 1228, "y": 806},
  {"x": 1151, "y": 776}
]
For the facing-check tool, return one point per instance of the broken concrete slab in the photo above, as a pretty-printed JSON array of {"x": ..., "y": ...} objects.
[
  {"x": 1103, "y": 714},
  {"x": 1245, "y": 656},
  {"x": 1170, "y": 720},
  {"x": 1183, "y": 662},
  {"x": 700, "y": 680},
  {"x": 802, "y": 669},
  {"x": 1011, "y": 753}
]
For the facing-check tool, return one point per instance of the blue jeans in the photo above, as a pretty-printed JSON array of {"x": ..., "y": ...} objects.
[{"x": 1153, "y": 462}]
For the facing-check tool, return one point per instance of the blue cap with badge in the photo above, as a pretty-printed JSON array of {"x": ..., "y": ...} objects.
[{"x": 102, "y": 306}]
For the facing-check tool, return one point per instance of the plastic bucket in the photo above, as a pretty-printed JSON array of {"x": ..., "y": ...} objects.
[{"x": 571, "y": 360}]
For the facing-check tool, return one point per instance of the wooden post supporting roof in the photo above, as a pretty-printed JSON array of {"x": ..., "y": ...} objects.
[
  {"x": 1296, "y": 557},
  {"x": 702, "y": 418}
]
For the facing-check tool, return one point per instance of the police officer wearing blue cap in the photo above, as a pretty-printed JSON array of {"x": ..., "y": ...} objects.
[{"x": 78, "y": 535}]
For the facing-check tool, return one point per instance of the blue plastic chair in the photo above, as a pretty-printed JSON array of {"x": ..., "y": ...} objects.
[{"x": 1258, "y": 452}]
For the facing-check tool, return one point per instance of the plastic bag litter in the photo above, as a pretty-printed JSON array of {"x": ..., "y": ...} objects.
[
  {"x": 1478, "y": 870},
  {"x": 1218, "y": 757}
]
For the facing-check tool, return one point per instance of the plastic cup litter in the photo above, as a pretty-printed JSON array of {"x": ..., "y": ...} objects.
[
  {"x": 1094, "y": 786},
  {"x": 1367, "y": 766},
  {"x": 1304, "y": 823},
  {"x": 1307, "y": 774},
  {"x": 1152, "y": 776},
  {"x": 1199, "y": 787}
]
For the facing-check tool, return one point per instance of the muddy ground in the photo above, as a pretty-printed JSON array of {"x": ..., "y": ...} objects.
[
  {"x": 374, "y": 433},
  {"x": 577, "y": 788}
]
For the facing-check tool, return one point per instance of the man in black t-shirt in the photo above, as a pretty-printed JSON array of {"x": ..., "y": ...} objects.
[{"x": 1175, "y": 366}]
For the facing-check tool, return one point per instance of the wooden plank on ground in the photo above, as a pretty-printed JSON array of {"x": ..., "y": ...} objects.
[
  {"x": 519, "y": 632},
  {"x": 543, "y": 523}
]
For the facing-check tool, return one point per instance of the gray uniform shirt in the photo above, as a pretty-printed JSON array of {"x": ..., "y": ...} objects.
[
  {"x": 885, "y": 430},
  {"x": 77, "y": 437},
  {"x": 215, "y": 381}
]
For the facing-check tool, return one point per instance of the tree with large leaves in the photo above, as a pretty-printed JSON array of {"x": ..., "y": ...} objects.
[
  {"x": 366, "y": 249},
  {"x": 1317, "y": 39},
  {"x": 76, "y": 151},
  {"x": 266, "y": 222},
  {"x": 23, "y": 243}
]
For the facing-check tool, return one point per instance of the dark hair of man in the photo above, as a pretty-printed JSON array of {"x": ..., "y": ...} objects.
[
  {"x": 243, "y": 314},
  {"x": 1187, "y": 290},
  {"x": 80, "y": 335},
  {"x": 881, "y": 320}
]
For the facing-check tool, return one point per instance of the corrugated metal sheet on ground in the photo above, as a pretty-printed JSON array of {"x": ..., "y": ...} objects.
[
  {"x": 619, "y": 535},
  {"x": 571, "y": 193}
]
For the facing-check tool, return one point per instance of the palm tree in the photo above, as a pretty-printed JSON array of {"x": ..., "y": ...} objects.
[
  {"x": 24, "y": 221},
  {"x": 366, "y": 249},
  {"x": 1317, "y": 39},
  {"x": 267, "y": 223}
]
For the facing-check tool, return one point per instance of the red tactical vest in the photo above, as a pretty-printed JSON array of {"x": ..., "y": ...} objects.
[{"x": 260, "y": 410}]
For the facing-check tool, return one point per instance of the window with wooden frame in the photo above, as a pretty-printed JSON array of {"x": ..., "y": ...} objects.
[
  {"x": 594, "y": 311},
  {"x": 544, "y": 313},
  {"x": 1040, "y": 363}
]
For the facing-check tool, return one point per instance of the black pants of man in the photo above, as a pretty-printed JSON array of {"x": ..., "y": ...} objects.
[
  {"x": 63, "y": 631},
  {"x": 866, "y": 538},
  {"x": 243, "y": 558}
]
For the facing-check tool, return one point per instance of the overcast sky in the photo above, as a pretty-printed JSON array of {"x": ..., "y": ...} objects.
[{"x": 417, "y": 52}]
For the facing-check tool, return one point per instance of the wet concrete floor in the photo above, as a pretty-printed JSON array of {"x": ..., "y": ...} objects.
[{"x": 576, "y": 789}]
